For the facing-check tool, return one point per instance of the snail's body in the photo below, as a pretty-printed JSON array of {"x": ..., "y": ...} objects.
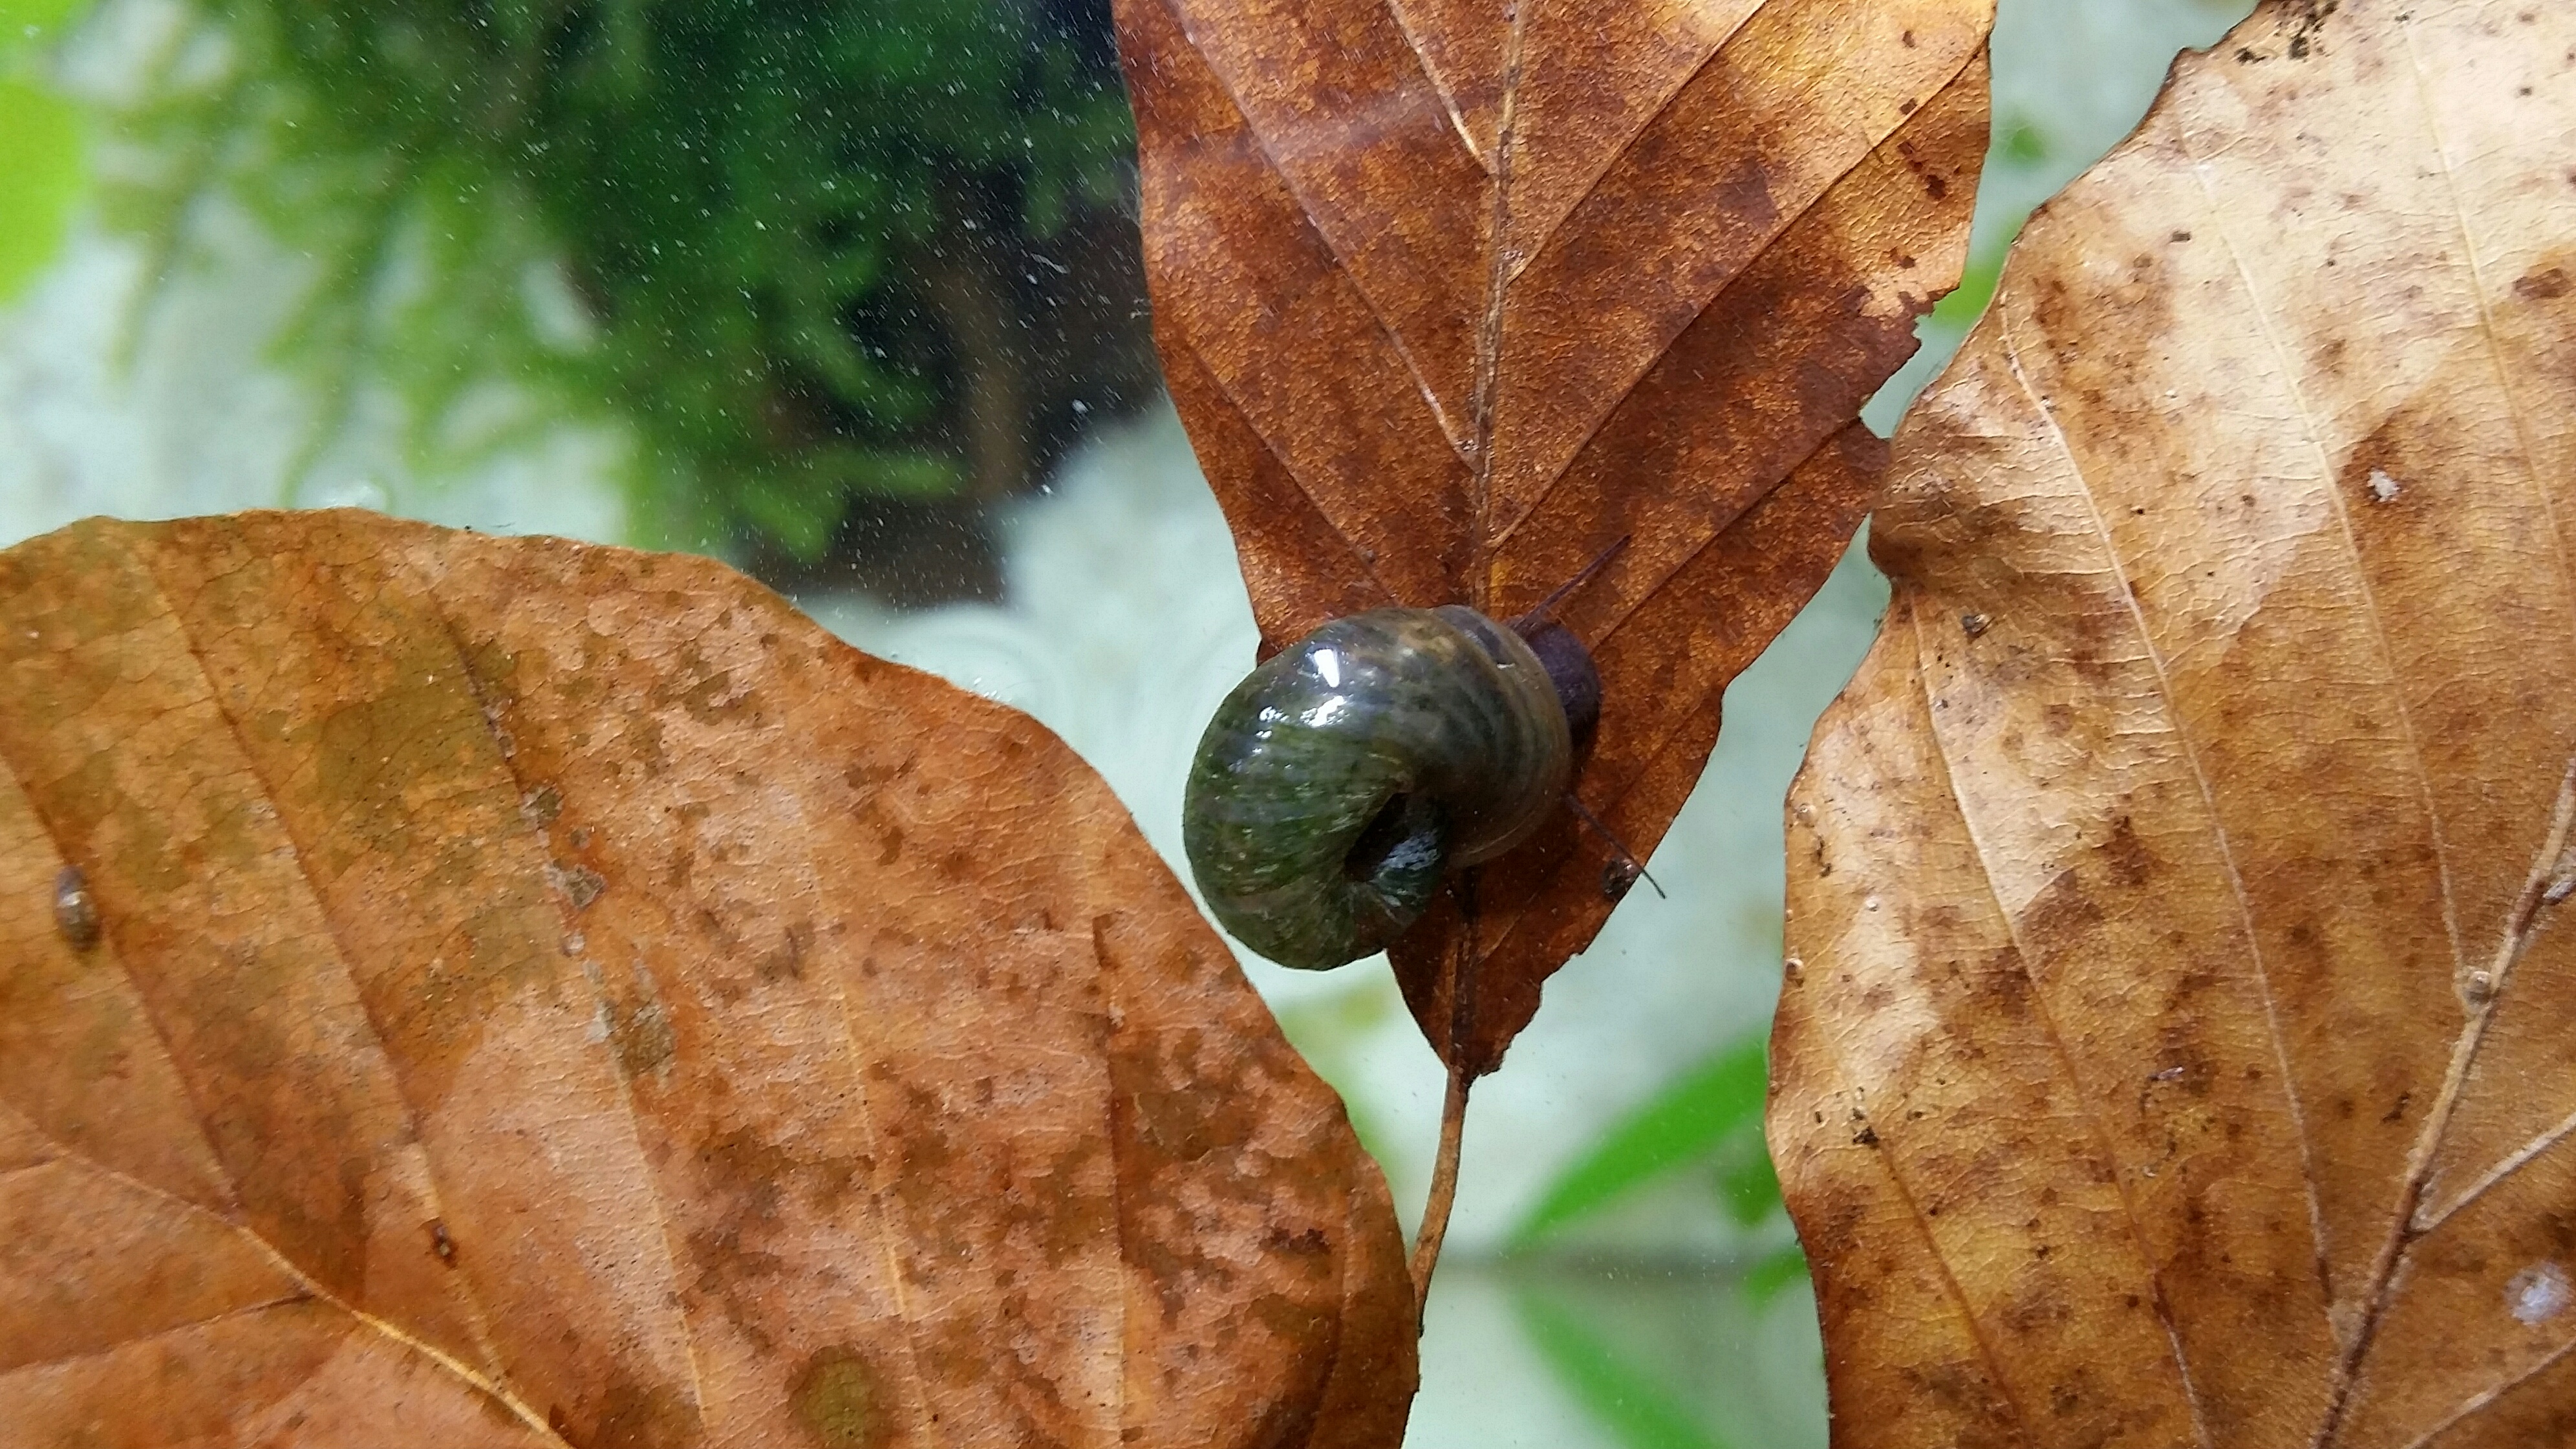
[{"x": 1345, "y": 775}]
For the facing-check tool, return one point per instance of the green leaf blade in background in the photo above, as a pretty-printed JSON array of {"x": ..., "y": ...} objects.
[
  {"x": 1747, "y": 1187},
  {"x": 1763, "y": 1281},
  {"x": 1694, "y": 1116},
  {"x": 44, "y": 147},
  {"x": 1637, "y": 1411}
]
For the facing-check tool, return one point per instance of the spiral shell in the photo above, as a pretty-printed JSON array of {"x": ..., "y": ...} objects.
[
  {"x": 75, "y": 910},
  {"x": 1343, "y": 776}
]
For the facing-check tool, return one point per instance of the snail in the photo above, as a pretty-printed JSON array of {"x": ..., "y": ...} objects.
[
  {"x": 75, "y": 911},
  {"x": 1347, "y": 774},
  {"x": 1344, "y": 776}
]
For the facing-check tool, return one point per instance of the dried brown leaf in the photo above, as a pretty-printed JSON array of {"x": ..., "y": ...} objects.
[
  {"x": 1716, "y": 227},
  {"x": 2177, "y": 1040},
  {"x": 545, "y": 994}
]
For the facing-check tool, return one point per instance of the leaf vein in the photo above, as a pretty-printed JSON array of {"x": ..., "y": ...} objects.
[
  {"x": 2522, "y": 925},
  {"x": 2092, "y": 1109},
  {"x": 1611, "y": 158},
  {"x": 2548, "y": 508},
  {"x": 2289, "y": 373},
  {"x": 1489, "y": 321},
  {"x": 171, "y": 1330},
  {"x": 1619, "y": 399},
  {"x": 2510, "y": 1164},
  {"x": 2487, "y": 329},
  {"x": 1114, "y": 1011},
  {"x": 2478, "y": 1402},
  {"x": 74, "y": 1157},
  {"x": 926, "y": 1423},
  {"x": 1341, "y": 264},
  {"x": 143, "y": 1004},
  {"x": 1439, "y": 83},
  {"x": 652, "y": 1193},
  {"x": 2119, "y": 574},
  {"x": 1884, "y": 1155},
  {"x": 1287, "y": 470},
  {"x": 340, "y": 952}
]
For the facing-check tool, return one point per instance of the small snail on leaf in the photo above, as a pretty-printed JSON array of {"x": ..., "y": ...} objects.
[
  {"x": 1343, "y": 778},
  {"x": 75, "y": 910}
]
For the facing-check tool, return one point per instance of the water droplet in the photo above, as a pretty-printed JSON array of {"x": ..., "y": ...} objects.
[{"x": 2538, "y": 1293}]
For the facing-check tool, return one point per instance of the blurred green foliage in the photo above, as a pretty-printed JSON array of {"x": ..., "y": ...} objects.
[
  {"x": 1626, "y": 1400},
  {"x": 1325, "y": 1029},
  {"x": 43, "y": 145},
  {"x": 1747, "y": 1187},
  {"x": 1711, "y": 1113},
  {"x": 816, "y": 252},
  {"x": 1763, "y": 1281},
  {"x": 1959, "y": 311}
]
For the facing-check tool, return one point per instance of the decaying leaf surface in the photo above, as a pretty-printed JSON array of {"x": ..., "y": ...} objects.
[
  {"x": 1455, "y": 297},
  {"x": 2179, "y": 1041},
  {"x": 551, "y": 994}
]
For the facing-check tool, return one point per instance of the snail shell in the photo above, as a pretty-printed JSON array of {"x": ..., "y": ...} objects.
[
  {"x": 1347, "y": 773},
  {"x": 75, "y": 910}
]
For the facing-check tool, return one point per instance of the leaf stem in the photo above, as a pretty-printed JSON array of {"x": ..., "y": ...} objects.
[
  {"x": 1453, "y": 1108},
  {"x": 1444, "y": 1189}
]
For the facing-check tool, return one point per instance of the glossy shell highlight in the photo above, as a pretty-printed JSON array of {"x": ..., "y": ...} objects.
[{"x": 1342, "y": 778}]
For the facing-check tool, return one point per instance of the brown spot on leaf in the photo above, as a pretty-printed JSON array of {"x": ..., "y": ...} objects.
[{"x": 2547, "y": 285}]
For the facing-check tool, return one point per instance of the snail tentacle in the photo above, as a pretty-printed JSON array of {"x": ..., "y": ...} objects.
[{"x": 1344, "y": 776}]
